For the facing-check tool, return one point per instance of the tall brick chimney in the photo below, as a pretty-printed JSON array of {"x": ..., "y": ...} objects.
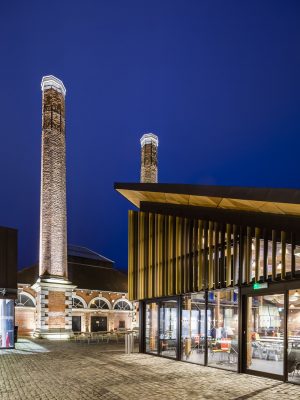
[
  {"x": 149, "y": 145},
  {"x": 54, "y": 291},
  {"x": 53, "y": 217}
]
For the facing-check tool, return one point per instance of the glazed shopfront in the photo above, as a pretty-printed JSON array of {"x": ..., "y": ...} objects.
[{"x": 217, "y": 274}]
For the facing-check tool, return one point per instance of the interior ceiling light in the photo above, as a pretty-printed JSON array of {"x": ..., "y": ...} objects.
[
  {"x": 297, "y": 251},
  {"x": 294, "y": 297}
]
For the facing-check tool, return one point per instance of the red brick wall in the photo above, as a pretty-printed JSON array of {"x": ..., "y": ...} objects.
[
  {"x": 56, "y": 305},
  {"x": 25, "y": 320}
]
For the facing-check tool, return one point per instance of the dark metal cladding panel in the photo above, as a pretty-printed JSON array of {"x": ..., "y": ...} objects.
[
  {"x": 266, "y": 248},
  {"x": 235, "y": 255},
  {"x": 293, "y": 267},
  {"x": 274, "y": 245},
  {"x": 195, "y": 257},
  {"x": 216, "y": 257},
  {"x": 257, "y": 254},
  {"x": 283, "y": 254},
  {"x": 222, "y": 256},
  {"x": 228, "y": 255},
  {"x": 8, "y": 258},
  {"x": 248, "y": 255},
  {"x": 205, "y": 255}
]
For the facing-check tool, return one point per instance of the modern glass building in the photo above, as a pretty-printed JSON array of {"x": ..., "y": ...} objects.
[{"x": 216, "y": 271}]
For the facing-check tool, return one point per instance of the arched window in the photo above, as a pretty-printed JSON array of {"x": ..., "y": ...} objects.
[
  {"x": 77, "y": 303},
  {"x": 100, "y": 303},
  {"x": 122, "y": 305},
  {"x": 25, "y": 300}
]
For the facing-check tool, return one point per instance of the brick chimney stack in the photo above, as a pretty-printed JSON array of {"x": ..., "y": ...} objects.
[
  {"x": 53, "y": 218},
  {"x": 149, "y": 145},
  {"x": 54, "y": 291}
]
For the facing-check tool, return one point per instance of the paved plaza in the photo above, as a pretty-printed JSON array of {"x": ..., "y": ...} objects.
[{"x": 69, "y": 370}]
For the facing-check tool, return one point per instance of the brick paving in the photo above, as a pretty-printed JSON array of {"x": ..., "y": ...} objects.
[{"x": 68, "y": 370}]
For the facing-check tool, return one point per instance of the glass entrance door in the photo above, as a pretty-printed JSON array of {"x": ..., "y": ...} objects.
[
  {"x": 151, "y": 328},
  {"x": 265, "y": 334},
  {"x": 168, "y": 328},
  {"x": 161, "y": 327},
  {"x": 193, "y": 328}
]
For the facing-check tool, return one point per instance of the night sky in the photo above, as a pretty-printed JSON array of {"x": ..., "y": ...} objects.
[{"x": 217, "y": 81}]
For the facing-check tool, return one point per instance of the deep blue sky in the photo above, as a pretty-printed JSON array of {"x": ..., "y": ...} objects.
[{"x": 218, "y": 81}]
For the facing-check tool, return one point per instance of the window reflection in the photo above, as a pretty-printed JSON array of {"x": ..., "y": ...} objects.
[
  {"x": 288, "y": 258},
  {"x": 261, "y": 258},
  {"x": 269, "y": 259},
  {"x": 278, "y": 258},
  {"x": 222, "y": 329},
  {"x": 193, "y": 328},
  {"x": 294, "y": 336},
  {"x": 297, "y": 258}
]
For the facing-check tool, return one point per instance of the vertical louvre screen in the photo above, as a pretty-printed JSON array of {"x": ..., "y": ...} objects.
[{"x": 170, "y": 255}]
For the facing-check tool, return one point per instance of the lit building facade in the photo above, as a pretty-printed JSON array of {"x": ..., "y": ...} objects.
[
  {"x": 217, "y": 273},
  {"x": 71, "y": 289},
  {"x": 53, "y": 289},
  {"x": 99, "y": 301}
]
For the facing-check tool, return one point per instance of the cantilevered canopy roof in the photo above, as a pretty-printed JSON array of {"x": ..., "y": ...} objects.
[{"x": 264, "y": 200}]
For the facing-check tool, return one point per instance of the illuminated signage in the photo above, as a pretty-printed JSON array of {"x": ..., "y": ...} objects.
[{"x": 257, "y": 286}]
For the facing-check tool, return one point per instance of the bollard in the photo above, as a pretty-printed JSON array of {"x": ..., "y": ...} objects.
[{"x": 129, "y": 341}]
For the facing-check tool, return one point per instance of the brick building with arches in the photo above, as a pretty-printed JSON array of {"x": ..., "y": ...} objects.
[{"x": 99, "y": 299}]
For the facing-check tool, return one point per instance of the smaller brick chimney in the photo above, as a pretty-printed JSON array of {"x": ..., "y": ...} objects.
[{"x": 149, "y": 145}]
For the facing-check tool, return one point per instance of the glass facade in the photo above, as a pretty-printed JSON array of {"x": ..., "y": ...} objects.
[
  {"x": 161, "y": 327},
  {"x": 222, "y": 329},
  {"x": 151, "y": 328},
  {"x": 265, "y": 333},
  {"x": 193, "y": 328},
  {"x": 293, "y": 359},
  {"x": 205, "y": 328},
  {"x": 218, "y": 294},
  {"x": 6, "y": 323},
  {"x": 208, "y": 328},
  {"x": 168, "y": 328}
]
